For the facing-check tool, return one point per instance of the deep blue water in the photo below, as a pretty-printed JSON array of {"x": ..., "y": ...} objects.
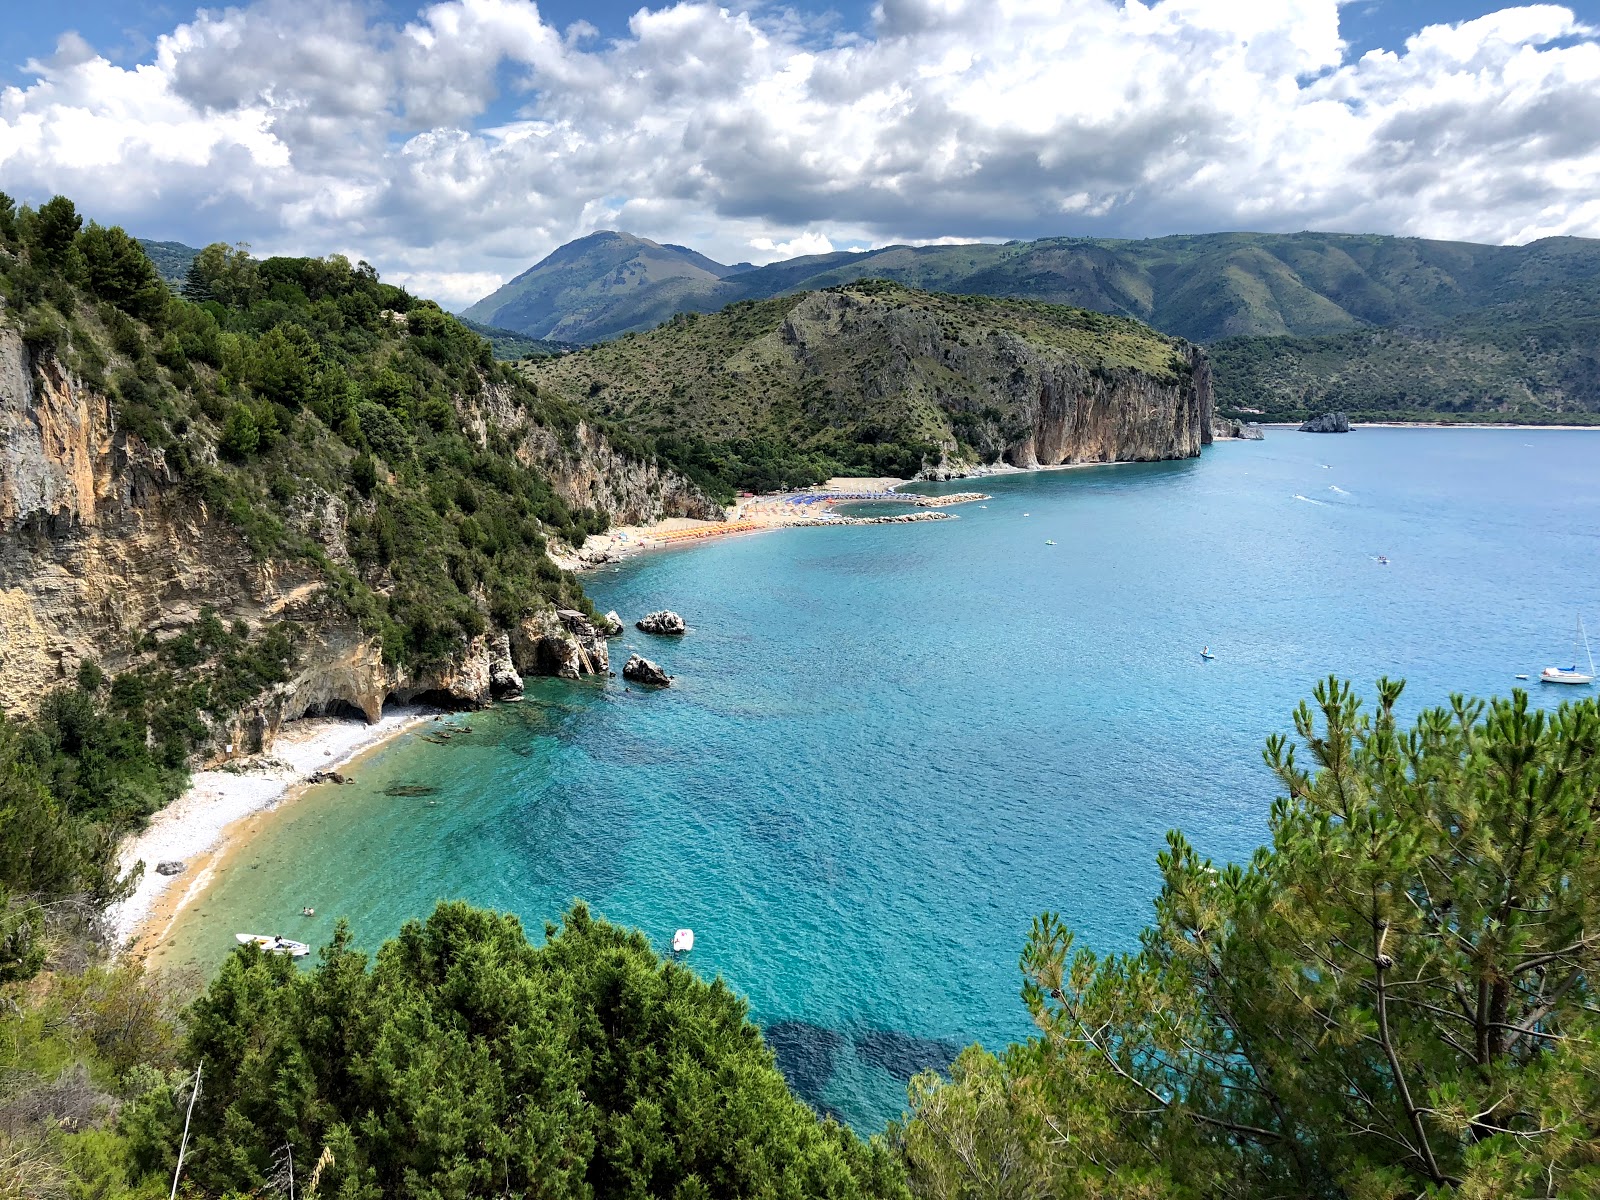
[{"x": 889, "y": 747}]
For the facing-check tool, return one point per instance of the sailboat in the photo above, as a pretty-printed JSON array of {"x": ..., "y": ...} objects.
[{"x": 1572, "y": 674}]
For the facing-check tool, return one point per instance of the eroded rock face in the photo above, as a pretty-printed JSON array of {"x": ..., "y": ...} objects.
[
  {"x": 563, "y": 643},
  {"x": 665, "y": 623},
  {"x": 584, "y": 469},
  {"x": 611, "y": 624},
  {"x": 99, "y": 547},
  {"x": 1224, "y": 428},
  {"x": 1327, "y": 423},
  {"x": 642, "y": 670}
]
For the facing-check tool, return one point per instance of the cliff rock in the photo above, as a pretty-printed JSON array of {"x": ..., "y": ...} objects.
[
  {"x": 642, "y": 670},
  {"x": 1231, "y": 428},
  {"x": 611, "y": 624},
  {"x": 100, "y": 546},
  {"x": 1327, "y": 423},
  {"x": 564, "y": 643},
  {"x": 585, "y": 470}
]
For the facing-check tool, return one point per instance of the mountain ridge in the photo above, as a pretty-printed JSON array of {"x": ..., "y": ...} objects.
[{"x": 1202, "y": 287}]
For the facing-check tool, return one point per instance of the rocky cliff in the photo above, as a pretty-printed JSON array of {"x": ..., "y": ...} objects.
[
  {"x": 880, "y": 377},
  {"x": 102, "y": 546},
  {"x": 584, "y": 468}
]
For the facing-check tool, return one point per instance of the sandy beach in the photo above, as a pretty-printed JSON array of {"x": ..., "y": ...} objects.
[
  {"x": 752, "y": 514},
  {"x": 194, "y": 828}
]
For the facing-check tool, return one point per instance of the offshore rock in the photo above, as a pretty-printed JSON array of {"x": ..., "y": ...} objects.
[
  {"x": 642, "y": 670},
  {"x": 1327, "y": 423},
  {"x": 665, "y": 623}
]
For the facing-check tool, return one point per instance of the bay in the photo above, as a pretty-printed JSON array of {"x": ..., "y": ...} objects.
[{"x": 888, "y": 748}]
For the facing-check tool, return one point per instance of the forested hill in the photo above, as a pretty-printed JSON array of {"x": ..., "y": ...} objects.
[
  {"x": 1201, "y": 287},
  {"x": 296, "y": 488},
  {"x": 876, "y": 378}
]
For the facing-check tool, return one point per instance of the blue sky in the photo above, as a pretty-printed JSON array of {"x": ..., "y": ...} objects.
[{"x": 452, "y": 145}]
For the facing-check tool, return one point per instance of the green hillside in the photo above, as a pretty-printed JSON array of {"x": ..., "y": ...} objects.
[
  {"x": 866, "y": 378},
  {"x": 1200, "y": 287},
  {"x": 1475, "y": 369},
  {"x": 172, "y": 259}
]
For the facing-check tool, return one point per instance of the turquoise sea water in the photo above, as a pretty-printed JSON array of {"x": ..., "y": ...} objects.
[{"x": 888, "y": 747}]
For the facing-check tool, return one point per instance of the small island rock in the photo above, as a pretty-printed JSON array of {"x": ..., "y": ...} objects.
[
  {"x": 663, "y": 622},
  {"x": 642, "y": 670},
  {"x": 1327, "y": 423}
]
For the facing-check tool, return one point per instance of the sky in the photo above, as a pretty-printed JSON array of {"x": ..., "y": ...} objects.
[{"x": 454, "y": 143}]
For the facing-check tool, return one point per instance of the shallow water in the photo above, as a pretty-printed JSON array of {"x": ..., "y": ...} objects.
[{"x": 888, "y": 747}]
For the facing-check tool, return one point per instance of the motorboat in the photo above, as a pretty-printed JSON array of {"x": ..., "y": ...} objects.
[
  {"x": 683, "y": 941},
  {"x": 272, "y": 944}
]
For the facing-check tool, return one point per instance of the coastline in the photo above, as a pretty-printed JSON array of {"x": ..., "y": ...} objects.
[
  {"x": 201, "y": 825},
  {"x": 779, "y": 510}
]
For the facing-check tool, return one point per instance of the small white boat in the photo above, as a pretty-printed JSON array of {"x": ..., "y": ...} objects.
[
  {"x": 1049, "y": 541},
  {"x": 273, "y": 944},
  {"x": 1521, "y": 676},
  {"x": 1572, "y": 674},
  {"x": 683, "y": 941},
  {"x": 1205, "y": 653}
]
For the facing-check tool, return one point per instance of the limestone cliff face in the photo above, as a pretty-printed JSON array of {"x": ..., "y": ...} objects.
[
  {"x": 1024, "y": 399},
  {"x": 586, "y": 471},
  {"x": 100, "y": 545}
]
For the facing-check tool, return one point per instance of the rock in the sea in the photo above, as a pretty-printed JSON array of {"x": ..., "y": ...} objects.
[
  {"x": 328, "y": 777},
  {"x": 611, "y": 624},
  {"x": 662, "y": 622},
  {"x": 1327, "y": 423},
  {"x": 642, "y": 670},
  {"x": 170, "y": 867}
]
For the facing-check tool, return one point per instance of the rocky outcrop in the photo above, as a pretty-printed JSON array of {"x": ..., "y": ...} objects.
[
  {"x": 1233, "y": 429},
  {"x": 642, "y": 670},
  {"x": 664, "y": 623},
  {"x": 1327, "y": 423},
  {"x": 563, "y": 643},
  {"x": 611, "y": 624},
  {"x": 584, "y": 468}
]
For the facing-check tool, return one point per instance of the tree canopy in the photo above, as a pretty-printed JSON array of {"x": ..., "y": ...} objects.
[
  {"x": 1394, "y": 998},
  {"x": 467, "y": 1062}
]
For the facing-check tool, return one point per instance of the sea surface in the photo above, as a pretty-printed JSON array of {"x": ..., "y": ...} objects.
[{"x": 888, "y": 747}]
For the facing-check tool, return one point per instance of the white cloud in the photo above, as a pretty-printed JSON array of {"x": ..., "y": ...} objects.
[
  {"x": 455, "y": 148},
  {"x": 809, "y": 242}
]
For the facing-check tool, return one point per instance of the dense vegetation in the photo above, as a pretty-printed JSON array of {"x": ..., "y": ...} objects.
[
  {"x": 464, "y": 1062},
  {"x": 1396, "y": 997},
  {"x": 275, "y": 388},
  {"x": 1393, "y": 998},
  {"x": 871, "y": 378},
  {"x": 1480, "y": 369}
]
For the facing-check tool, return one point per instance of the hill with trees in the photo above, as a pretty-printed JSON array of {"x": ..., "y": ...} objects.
[
  {"x": 875, "y": 378},
  {"x": 1488, "y": 332}
]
